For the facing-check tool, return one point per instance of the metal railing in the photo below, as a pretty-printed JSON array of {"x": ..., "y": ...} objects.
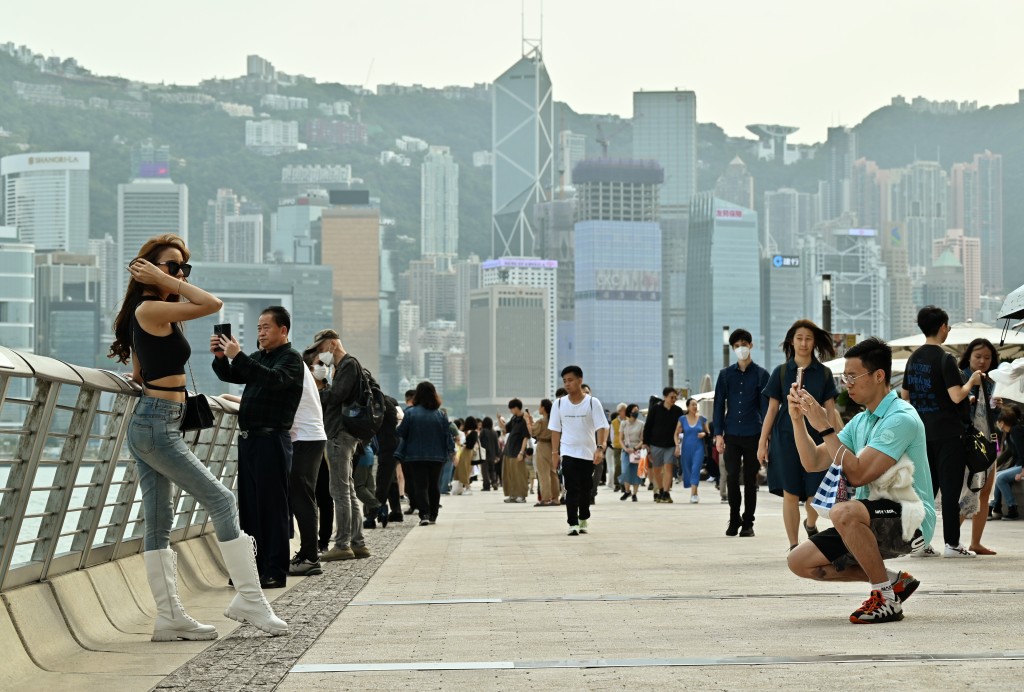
[{"x": 69, "y": 491}]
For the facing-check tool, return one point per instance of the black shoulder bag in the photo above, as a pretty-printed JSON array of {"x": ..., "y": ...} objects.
[{"x": 198, "y": 415}]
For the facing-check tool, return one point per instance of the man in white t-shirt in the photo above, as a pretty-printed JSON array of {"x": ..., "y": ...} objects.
[{"x": 579, "y": 431}]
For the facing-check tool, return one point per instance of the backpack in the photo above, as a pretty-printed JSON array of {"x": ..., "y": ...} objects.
[{"x": 364, "y": 415}]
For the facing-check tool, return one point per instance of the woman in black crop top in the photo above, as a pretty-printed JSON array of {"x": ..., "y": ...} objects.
[{"x": 148, "y": 327}]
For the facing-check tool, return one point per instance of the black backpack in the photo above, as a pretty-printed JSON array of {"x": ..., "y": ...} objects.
[{"x": 364, "y": 414}]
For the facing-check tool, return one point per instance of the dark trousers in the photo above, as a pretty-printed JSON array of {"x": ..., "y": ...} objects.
[
  {"x": 324, "y": 504},
  {"x": 598, "y": 473},
  {"x": 741, "y": 462},
  {"x": 306, "y": 458},
  {"x": 947, "y": 463},
  {"x": 264, "y": 467},
  {"x": 578, "y": 475},
  {"x": 487, "y": 471},
  {"x": 386, "y": 465},
  {"x": 427, "y": 486},
  {"x": 410, "y": 485}
]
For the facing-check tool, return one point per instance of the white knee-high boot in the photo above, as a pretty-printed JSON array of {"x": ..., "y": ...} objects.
[
  {"x": 172, "y": 622},
  {"x": 249, "y": 604}
]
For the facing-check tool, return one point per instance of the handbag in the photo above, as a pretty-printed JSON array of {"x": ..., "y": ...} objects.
[{"x": 198, "y": 415}]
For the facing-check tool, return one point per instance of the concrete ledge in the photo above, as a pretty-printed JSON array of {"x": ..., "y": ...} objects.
[{"x": 118, "y": 601}]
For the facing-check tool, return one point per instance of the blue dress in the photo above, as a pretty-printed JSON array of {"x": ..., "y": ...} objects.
[
  {"x": 692, "y": 453},
  {"x": 785, "y": 472}
]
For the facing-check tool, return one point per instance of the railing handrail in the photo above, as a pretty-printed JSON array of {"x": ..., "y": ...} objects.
[{"x": 38, "y": 544}]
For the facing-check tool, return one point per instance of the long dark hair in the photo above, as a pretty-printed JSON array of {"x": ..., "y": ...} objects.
[
  {"x": 121, "y": 348},
  {"x": 823, "y": 346},
  {"x": 965, "y": 359},
  {"x": 426, "y": 396}
]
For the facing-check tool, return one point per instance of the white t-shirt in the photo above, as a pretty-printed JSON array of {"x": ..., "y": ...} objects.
[
  {"x": 577, "y": 423},
  {"x": 308, "y": 425}
]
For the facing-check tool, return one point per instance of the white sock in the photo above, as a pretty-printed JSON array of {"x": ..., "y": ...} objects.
[
  {"x": 892, "y": 574},
  {"x": 886, "y": 589}
]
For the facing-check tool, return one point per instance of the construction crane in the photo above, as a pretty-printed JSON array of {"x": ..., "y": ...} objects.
[{"x": 604, "y": 141}]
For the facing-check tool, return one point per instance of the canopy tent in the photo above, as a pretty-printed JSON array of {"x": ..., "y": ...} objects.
[
  {"x": 899, "y": 365},
  {"x": 960, "y": 335}
]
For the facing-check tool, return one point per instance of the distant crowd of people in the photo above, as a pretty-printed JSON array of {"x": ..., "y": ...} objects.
[{"x": 321, "y": 448}]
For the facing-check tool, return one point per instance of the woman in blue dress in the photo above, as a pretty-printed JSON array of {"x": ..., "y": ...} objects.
[
  {"x": 692, "y": 429},
  {"x": 806, "y": 345}
]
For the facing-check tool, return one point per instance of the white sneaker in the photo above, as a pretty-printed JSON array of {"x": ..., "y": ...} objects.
[
  {"x": 958, "y": 551},
  {"x": 927, "y": 551},
  {"x": 694, "y": 499},
  {"x": 583, "y": 525},
  {"x": 574, "y": 530}
]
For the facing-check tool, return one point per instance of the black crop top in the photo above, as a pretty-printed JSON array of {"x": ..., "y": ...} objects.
[{"x": 159, "y": 356}]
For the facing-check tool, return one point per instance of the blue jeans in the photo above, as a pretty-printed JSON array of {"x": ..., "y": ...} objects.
[
  {"x": 1004, "y": 487},
  {"x": 445, "y": 482},
  {"x": 162, "y": 458}
]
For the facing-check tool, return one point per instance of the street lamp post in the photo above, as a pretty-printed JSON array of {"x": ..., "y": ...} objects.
[
  {"x": 725, "y": 346},
  {"x": 671, "y": 371},
  {"x": 826, "y": 302}
]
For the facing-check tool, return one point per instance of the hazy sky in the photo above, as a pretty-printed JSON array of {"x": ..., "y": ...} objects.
[{"x": 807, "y": 63}]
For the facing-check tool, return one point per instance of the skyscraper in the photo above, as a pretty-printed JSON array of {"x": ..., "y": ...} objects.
[
  {"x": 226, "y": 204},
  {"x": 46, "y": 197},
  {"x": 147, "y": 207},
  {"x": 572, "y": 148},
  {"x": 967, "y": 252},
  {"x": 351, "y": 247},
  {"x": 107, "y": 256},
  {"x": 736, "y": 185},
  {"x": 523, "y": 143},
  {"x": 723, "y": 282},
  {"x": 618, "y": 278},
  {"x": 665, "y": 130},
  {"x": 919, "y": 203},
  {"x": 243, "y": 238},
  {"x": 840, "y": 154},
  {"x": 439, "y": 203},
  {"x": 68, "y": 304}
]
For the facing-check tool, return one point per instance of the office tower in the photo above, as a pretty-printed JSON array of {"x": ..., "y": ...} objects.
[
  {"x": 271, "y": 137},
  {"x": 18, "y": 323},
  {"x": 243, "y": 239},
  {"x": 736, "y": 185},
  {"x": 723, "y": 282},
  {"x": 291, "y": 227},
  {"x": 782, "y": 300},
  {"x": 976, "y": 206},
  {"x": 225, "y": 204},
  {"x": 110, "y": 272},
  {"x": 351, "y": 247},
  {"x": 533, "y": 273},
  {"x": 840, "y": 152},
  {"x": 149, "y": 207},
  {"x": 46, "y": 197},
  {"x": 782, "y": 220},
  {"x": 506, "y": 324},
  {"x": 430, "y": 283},
  {"x": 902, "y": 313},
  {"x": 944, "y": 285},
  {"x": 967, "y": 252},
  {"x": 572, "y": 148},
  {"x": 247, "y": 289},
  {"x": 522, "y": 136},
  {"x": 556, "y": 219},
  {"x": 68, "y": 304},
  {"x": 618, "y": 278},
  {"x": 665, "y": 130},
  {"x": 865, "y": 190},
  {"x": 919, "y": 202},
  {"x": 408, "y": 323},
  {"x": 469, "y": 276},
  {"x": 150, "y": 161},
  {"x": 860, "y": 282},
  {"x": 439, "y": 203}
]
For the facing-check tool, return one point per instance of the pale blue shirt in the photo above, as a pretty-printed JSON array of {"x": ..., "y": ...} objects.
[{"x": 895, "y": 429}]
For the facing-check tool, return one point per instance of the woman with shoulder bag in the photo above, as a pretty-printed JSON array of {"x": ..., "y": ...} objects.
[
  {"x": 981, "y": 355},
  {"x": 148, "y": 331},
  {"x": 428, "y": 444},
  {"x": 632, "y": 432}
]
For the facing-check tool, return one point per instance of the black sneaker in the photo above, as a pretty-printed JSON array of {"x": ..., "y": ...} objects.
[
  {"x": 666, "y": 497},
  {"x": 747, "y": 532},
  {"x": 300, "y": 567},
  {"x": 369, "y": 523},
  {"x": 625, "y": 496},
  {"x": 382, "y": 516},
  {"x": 733, "y": 529}
]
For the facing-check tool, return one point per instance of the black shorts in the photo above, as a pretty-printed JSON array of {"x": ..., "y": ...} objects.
[{"x": 886, "y": 524}]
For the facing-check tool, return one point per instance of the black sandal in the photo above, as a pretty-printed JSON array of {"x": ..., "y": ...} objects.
[{"x": 811, "y": 530}]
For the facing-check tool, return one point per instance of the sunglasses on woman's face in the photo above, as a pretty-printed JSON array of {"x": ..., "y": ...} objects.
[{"x": 174, "y": 267}]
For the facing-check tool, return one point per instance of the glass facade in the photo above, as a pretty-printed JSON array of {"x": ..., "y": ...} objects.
[{"x": 618, "y": 309}]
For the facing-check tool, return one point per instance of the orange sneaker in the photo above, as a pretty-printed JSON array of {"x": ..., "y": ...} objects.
[{"x": 877, "y": 609}]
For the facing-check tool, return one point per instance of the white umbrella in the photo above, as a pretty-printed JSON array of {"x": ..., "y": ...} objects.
[
  {"x": 960, "y": 335},
  {"x": 899, "y": 365}
]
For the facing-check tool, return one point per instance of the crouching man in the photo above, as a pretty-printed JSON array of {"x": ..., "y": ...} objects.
[{"x": 882, "y": 452}]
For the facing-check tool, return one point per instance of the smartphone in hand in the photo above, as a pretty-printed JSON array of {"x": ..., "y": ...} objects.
[
  {"x": 222, "y": 330},
  {"x": 799, "y": 378}
]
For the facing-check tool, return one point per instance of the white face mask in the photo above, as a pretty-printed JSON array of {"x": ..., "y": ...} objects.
[
  {"x": 327, "y": 358},
  {"x": 320, "y": 372},
  {"x": 742, "y": 352}
]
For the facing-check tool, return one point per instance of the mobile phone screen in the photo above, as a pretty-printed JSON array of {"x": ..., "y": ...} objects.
[{"x": 222, "y": 330}]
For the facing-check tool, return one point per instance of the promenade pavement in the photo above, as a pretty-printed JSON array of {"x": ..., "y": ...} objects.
[{"x": 496, "y": 596}]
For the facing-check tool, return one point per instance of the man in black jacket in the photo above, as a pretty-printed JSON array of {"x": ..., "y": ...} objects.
[
  {"x": 341, "y": 446},
  {"x": 659, "y": 438}
]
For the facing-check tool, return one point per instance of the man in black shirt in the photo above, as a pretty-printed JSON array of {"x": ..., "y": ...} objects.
[
  {"x": 658, "y": 436},
  {"x": 273, "y": 379},
  {"x": 934, "y": 387}
]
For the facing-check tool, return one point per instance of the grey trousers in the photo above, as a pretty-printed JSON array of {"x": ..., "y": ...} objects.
[{"x": 348, "y": 518}]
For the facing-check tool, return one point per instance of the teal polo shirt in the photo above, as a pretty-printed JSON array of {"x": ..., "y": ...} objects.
[{"x": 895, "y": 429}]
